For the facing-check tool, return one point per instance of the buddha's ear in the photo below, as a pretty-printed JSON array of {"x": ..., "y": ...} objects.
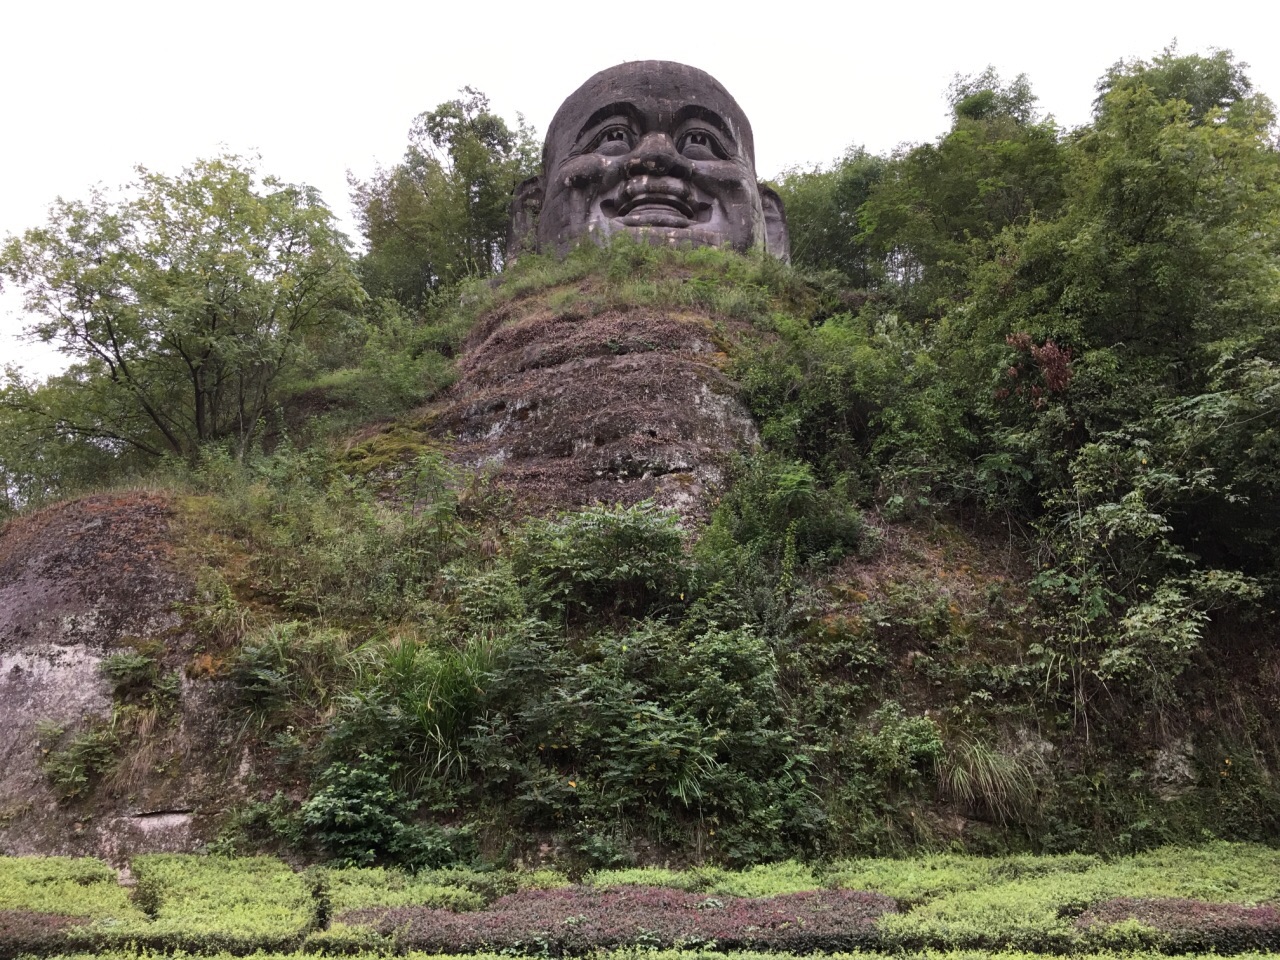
[
  {"x": 522, "y": 228},
  {"x": 777, "y": 242}
]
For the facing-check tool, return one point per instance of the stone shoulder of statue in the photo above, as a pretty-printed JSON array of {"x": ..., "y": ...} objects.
[{"x": 654, "y": 149}]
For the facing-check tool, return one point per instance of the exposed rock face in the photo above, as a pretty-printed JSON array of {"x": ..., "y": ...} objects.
[
  {"x": 621, "y": 406},
  {"x": 78, "y": 582},
  {"x": 88, "y": 572}
]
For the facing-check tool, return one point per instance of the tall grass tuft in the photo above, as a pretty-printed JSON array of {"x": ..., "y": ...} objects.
[
  {"x": 983, "y": 777},
  {"x": 416, "y": 699}
]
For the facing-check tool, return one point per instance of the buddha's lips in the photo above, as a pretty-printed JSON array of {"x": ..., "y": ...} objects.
[{"x": 648, "y": 201}]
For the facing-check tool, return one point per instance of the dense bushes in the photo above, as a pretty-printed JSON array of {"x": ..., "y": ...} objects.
[
  {"x": 624, "y": 562},
  {"x": 357, "y": 816},
  {"x": 678, "y": 733}
]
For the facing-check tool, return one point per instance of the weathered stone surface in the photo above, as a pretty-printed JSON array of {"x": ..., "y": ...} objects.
[
  {"x": 653, "y": 149},
  {"x": 570, "y": 409},
  {"x": 88, "y": 572},
  {"x": 78, "y": 582}
]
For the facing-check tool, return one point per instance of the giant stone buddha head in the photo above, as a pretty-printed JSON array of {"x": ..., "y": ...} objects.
[{"x": 653, "y": 149}]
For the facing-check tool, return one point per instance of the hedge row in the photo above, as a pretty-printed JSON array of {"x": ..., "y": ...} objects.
[
  {"x": 1176, "y": 925},
  {"x": 24, "y": 932},
  {"x": 577, "y": 920},
  {"x": 1216, "y": 898},
  {"x": 632, "y": 954}
]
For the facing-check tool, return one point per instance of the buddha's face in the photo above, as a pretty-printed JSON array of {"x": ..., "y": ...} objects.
[{"x": 654, "y": 149}]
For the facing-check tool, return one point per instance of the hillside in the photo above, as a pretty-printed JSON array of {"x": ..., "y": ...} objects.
[{"x": 571, "y": 611}]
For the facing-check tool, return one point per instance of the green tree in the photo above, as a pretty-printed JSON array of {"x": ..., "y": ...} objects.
[
  {"x": 1125, "y": 355},
  {"x": 180, "y": 305},
  {"x": 938, "y": 207},
  {"x": 823, "y": 216},
  {"x": 441, "y": 214},
  {"x": 1166, "y": 245},
  {"x": 1217, "y": 82}
]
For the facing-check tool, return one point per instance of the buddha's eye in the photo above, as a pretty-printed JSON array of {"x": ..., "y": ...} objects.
[
  {"x": 701, "y": 145},
  {"x": 614, "y": 141}
]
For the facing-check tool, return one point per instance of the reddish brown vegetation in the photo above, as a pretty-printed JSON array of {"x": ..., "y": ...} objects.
[
  {"x": 27, "y": 932},
  {"x": 1040, "y": 371},
  {"x": 1192, "y": 925},
  {"x": 576, "y": 920}
]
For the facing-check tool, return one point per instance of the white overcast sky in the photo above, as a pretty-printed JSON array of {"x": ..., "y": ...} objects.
[{"x": 320, "y": 88}]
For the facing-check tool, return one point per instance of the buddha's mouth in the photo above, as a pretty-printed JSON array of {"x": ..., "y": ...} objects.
[
  {"x": 651, "y": 204},
  {"x": 656, "y": 202}
]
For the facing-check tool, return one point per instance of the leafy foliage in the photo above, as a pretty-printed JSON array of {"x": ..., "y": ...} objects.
[
  {"x": 622, "y": 560},
  {"x": 74, "y": 762},
  {"x": 180, "y": 306},
  {"x": 441, "y": 214},
  {"x": 358, "y": 817}
]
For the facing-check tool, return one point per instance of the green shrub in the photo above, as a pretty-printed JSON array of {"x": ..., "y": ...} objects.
[
  {"x": 76, "y": 762},
  {"x": 78, "y": 887},
  {"x": 777, "y": 507},
  {"x": 766, "y": 880},
  {"x": 900, "y": 749},
  {"x": 359, "y": 818},
  {"x": 132, "y": 674},
  {"x": 204, "y": 904},
  {"x": 694, "y": 880},
  {"x": 356, "y": 888},
  {"x": 678, "y": 732},
  {"x": 1031, "y": 903},
  {"x": 283, "y": 665},
  {"x": 416, "y": 700},
  {"x": 611, "y": 561},
  {"x": 258, "y": 823}
]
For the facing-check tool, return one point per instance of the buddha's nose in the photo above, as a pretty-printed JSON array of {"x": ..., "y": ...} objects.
[{"x": 656, "y": 156}]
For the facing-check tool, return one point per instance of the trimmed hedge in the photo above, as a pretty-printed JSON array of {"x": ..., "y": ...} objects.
[
  {"x": 76, "y": 887},
  {"x": 1036, "y": 908},
  {"x": 29, "y": 932},
  {"x": 1223, "y": 898},
  {"x": 209, "y": 904},
  {"x": 630, "y": 954},
  {"x": 1183, "y": 926},
  {"x": 574, "y": 921},
  {"x": 356, "y": 888}
]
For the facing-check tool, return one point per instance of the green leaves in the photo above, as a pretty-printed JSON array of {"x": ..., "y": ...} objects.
[
  {"x": 179, "y": 304},
  {"x": 620, "y": 560},
  {"x": 441, "y": 214}
]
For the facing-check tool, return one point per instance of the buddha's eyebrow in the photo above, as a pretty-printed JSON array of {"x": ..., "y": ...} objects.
[
  {"x": 695, "y": 111},
  {"x": 624, "y": 109}
]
